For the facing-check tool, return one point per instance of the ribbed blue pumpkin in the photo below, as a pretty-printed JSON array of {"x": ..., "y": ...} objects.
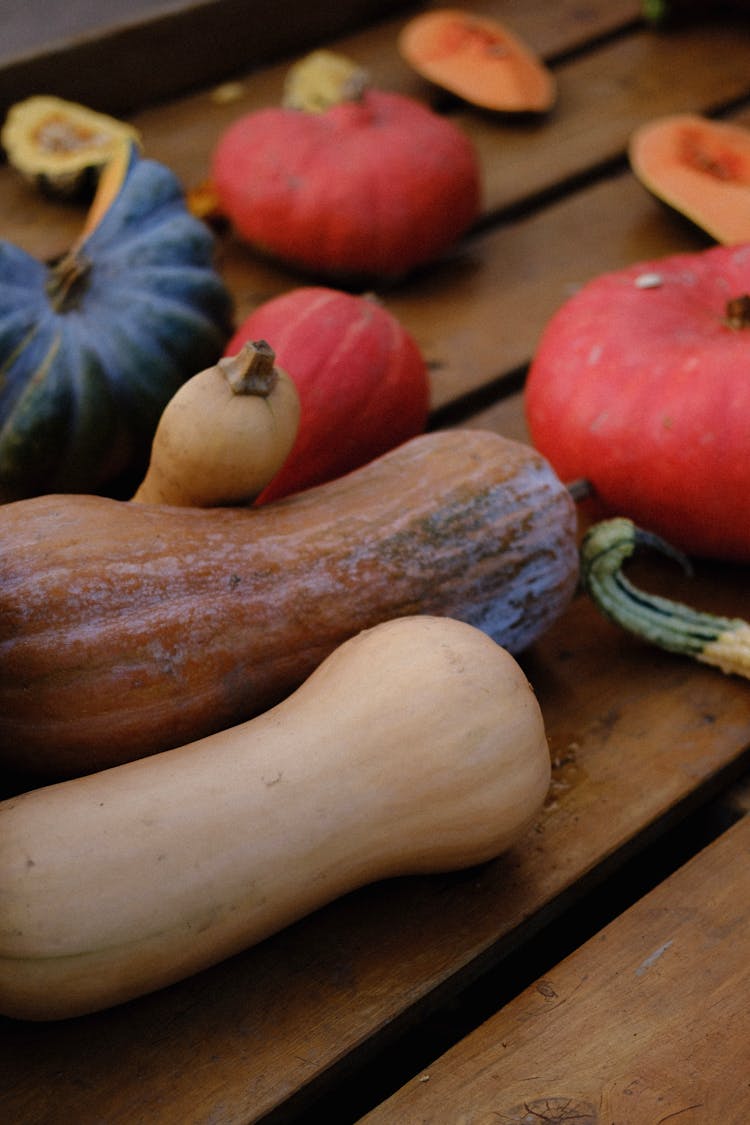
[{"x": 93, "y": 345}]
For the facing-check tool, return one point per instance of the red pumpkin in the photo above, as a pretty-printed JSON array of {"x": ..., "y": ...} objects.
[
  {"x": 641, "y": 384},
  {"x": 361, "y": 378},
  {"x": 368, "y": 189}
]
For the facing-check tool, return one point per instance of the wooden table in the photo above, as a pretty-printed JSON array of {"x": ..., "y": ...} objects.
[{"x": 598, "y": 971}]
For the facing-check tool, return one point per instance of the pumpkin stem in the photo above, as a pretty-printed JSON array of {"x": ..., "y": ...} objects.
[
  {"x": 580, "y": 489},
  {"x": 66, "y": 283},
  {"x": 252, "y": 371},
  {"x": 324, "y": 79},
  {"x": 721, "y": 641},
  {"x": 738, "y": 312}
]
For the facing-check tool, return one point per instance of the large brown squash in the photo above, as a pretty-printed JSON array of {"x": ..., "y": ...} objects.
[{"x": 128, "y": 628}]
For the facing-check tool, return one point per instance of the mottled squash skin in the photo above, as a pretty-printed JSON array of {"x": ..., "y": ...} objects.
[{"x": 128, "y": 629}]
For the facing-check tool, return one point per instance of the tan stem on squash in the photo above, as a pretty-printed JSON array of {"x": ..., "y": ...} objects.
[
  {"x": 67, "y": 280},
  {"x": 252, "y": 371},
  {"x": 738, "y": 312}
]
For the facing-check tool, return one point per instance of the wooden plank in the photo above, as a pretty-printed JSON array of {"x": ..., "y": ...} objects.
[
  {"x": 648, "y": 1021},
  {"x": 603, "y": 97},
  {"x": 31, "y": 25},
  {"x": 85, "y": 49},
  {"x": 118, "y": 60},
  {"x": 638, "y": 738}
]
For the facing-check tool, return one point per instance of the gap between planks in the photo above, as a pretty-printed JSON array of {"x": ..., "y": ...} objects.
[{"x": 380, "y": 1076}]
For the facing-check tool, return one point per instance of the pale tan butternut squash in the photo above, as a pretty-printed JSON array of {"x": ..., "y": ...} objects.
[{"x": 417, "y": 746}]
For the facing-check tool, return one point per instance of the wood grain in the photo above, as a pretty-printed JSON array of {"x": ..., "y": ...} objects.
[
  {"x": 118, "y": 58},
  {"x": 122, "y": 59},
  {"x": 646, "y": 1023},
  {"x": 639, "y": 738}
]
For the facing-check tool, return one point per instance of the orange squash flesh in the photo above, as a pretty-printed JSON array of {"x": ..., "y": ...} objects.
[
  {"x": 110, "y": 182},
  {"x": 699, "y": 167},
  {"x": 478, "y": 59}
]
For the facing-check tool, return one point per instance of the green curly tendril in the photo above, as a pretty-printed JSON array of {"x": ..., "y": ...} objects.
[{"x": 721, "y": 641}]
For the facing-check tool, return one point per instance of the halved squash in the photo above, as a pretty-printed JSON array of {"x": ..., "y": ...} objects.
[
  {"x": 699, "y": 167},
  {"x": 61, "y": 146},
  {"x": 479, "y": 59}
]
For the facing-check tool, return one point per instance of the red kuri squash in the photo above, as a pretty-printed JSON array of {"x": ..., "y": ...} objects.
[
  {"x": 360, "y": 376},
  {"x": 641, "y": 384},
  {"x": 367, "y": 185}
]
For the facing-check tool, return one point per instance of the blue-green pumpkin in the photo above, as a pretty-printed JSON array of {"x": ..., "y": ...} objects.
[{"x": 93, "y": 345}]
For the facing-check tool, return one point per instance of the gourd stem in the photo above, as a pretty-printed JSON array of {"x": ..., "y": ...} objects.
[
  {"x": 580, "y": 489},
  {"x": 252, "y": 371},
  {"x": 721, "y": 641},
  {"x": 66, "y": 280},
  {"x": 738, "y": 312}
]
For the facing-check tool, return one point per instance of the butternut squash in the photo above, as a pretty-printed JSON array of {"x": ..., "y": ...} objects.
[
  {"x": 126, "y": 629},
  {"x": 417, "y": 746}
]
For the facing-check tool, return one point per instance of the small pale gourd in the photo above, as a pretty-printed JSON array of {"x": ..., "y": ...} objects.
[{"x": 225, "y": 434}]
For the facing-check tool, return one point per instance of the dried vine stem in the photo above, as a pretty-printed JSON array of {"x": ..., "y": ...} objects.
[{"x": 721, "y": 641}]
